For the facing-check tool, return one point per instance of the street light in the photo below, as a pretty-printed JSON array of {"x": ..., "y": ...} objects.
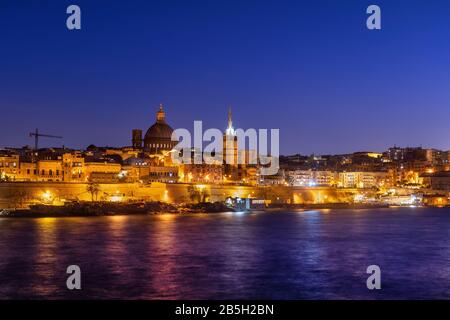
[{"x": 47, "y": 197}]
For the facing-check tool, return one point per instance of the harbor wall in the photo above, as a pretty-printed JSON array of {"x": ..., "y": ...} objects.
[{"x": 21, "y": 194}]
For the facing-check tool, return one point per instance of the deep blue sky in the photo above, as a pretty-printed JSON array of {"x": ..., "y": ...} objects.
[{"x": 310, "y": 68}]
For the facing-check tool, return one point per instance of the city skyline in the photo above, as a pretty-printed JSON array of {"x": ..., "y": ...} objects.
[
  {"x": 44, "y": 144},
  {"x": 330, "y": 90}
]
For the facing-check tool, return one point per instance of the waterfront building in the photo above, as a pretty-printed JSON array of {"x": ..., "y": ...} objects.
[
  {"x": 102, "y": 172},
  {"x": 310, "y": 178},
  {"x": 436, "y": 200},
  {"x": 446, "y": 157},
  {"x": 408, "y": 172},
  {"x": 49, "y": 170},
  {"x": 272, "y": 180},
  {"x": 163, "y": 174},
  {"x": 27, "y": 172},
  {"x": 148, "y": 170},
  {"x": 252, "y": 175},
  {"x": 362, "y": 179},
  {"x": 9, "y": 166},
  {"x": 41, "y": 170},
  {"x": 73, "y": 167},
  {"x": 437, "y": 180},
  {"x": 201, "y": 173}
]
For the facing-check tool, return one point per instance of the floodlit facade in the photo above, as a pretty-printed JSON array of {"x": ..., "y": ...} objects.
[{"x": 362, "y": 179}]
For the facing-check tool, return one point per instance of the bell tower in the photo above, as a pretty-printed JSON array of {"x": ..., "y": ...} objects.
[{"x": 136, "y": 138}]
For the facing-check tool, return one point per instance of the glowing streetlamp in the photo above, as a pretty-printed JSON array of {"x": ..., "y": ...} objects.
[{"x": 47, "y": 197}]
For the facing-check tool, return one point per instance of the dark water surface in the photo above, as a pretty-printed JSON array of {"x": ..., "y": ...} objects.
[{"x": 293, "y": 255}]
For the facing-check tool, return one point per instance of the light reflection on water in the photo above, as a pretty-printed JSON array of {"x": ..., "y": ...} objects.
[
  {"x": 46, "y": 244},
  {"x": 317, "y": 254}
]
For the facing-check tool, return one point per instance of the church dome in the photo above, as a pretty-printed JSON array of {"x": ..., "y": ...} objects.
[
  {"x": 159, "y": 136},
  {"x": 160, "y": 131}
]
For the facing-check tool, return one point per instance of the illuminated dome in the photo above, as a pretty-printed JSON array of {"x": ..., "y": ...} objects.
[{"x": 158, "y": 136}]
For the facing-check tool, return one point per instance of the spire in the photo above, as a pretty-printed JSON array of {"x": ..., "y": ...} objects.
[
  {"x": 230, "y": 129},
  {"x": 160, "y": 115}
]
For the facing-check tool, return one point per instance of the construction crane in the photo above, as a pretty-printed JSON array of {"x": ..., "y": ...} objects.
[{"x": 36, "y": 136}]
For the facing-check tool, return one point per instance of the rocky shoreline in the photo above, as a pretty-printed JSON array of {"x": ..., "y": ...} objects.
[{"x": 93, "y": 209}]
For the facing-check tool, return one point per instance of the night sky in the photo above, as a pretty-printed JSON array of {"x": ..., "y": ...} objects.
[{"x": 310, "y": 68}]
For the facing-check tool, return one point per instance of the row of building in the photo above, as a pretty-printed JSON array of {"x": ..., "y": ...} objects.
[
  {"x": 403, "y": 167},
  {"x": 75, "y": 166},
  {"x": 312, "y": 178},
  {"x": 148, "y": 159}
]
